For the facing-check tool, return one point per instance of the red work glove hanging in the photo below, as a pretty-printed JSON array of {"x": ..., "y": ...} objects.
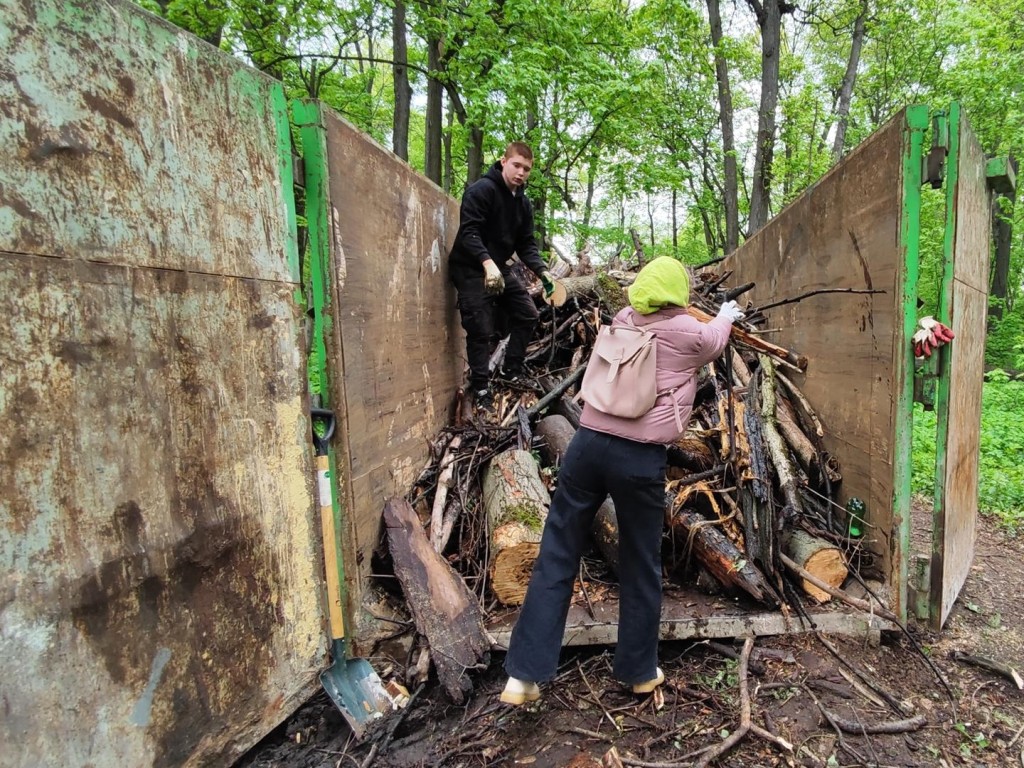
[{"x": 931, "y": 335}]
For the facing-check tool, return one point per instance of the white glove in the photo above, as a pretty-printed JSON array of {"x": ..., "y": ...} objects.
[
  {"x": 731, "y": 311},
  {"x": 494, "y": 283}
]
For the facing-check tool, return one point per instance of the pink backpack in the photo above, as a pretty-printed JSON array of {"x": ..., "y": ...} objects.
[{"x": 621, "y": 378}]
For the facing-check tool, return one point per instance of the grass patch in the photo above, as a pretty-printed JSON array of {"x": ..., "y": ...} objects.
[{"x": 1001, "y": 466}]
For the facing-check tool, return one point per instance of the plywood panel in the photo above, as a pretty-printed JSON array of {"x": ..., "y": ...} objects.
[
  {"x": 399, "y": 341},
  {"x": 955, "y": 519},
  {"x": 157, "y": 550},
  {"x": 843, "y": 233},
  {"x": 128, "y": 141},
  {"x": 160, "y": 566}
]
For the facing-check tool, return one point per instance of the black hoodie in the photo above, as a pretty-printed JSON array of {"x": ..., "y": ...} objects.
[{"x": 494, "y": 223}]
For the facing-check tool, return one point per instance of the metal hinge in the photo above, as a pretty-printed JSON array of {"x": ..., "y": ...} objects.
[
  {"x": 1002, "y": 175},
  {"x": 934, "y": 170}
]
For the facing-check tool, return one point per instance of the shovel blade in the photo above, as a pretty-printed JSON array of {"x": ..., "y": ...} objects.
[{"x": 358, "y": 692}]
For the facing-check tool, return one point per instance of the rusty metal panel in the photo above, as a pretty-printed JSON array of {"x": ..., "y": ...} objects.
[
  {"x": 397, "y": 340},
  {"x": 160, "y": 566},
  {"x": 104, "y": 111},
  {"x": 844, "y": 232},
  {"x": 956, "y": 514}
]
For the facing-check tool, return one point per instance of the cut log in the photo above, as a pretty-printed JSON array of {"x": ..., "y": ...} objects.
[
  {"x": 816, "y": 556},
  {"x": 444, "y": 609},
  {"x": 721, "y": 558},
  {"x": 516, "y": 504}
]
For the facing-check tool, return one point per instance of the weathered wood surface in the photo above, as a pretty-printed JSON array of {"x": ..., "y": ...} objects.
[
  {"x": 444, "y": 609},
  {"x": 160, "y": 593},
  {"x": 687, "y": 613},
  {"x": 957, "y": 506},
  {"x": 516, "y": 504},
  {"x": 397, "y": 350},
  {"x": 843, "y": 233}
]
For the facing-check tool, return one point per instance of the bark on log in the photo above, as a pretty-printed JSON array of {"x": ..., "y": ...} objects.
[
  {"x": 444, "y": 609},
  {"x": 720, "y": 556},
  {"x": 821, "y": 558},
  {"x": 815, "y": 463},
  {"x": 755, "y": 342},
  {"x": 556, "y": 433},
  {"x": 516, "y": 504}
]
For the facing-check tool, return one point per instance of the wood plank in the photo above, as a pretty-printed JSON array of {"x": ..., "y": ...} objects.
[
  {"x": 397, "y": 349},
  {"x": 689, "y": 615},
  {"x": 843, "y": 233},
  {"x": 956, "y": 515}
]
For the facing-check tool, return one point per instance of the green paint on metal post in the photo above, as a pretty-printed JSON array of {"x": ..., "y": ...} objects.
[
  {"x": 309, "y": 120},
  {"x": 917, "y": 119}
]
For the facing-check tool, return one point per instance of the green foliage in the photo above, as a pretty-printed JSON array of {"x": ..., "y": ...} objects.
[
  {"x": 1001, "y": 468},
  {"x": 1004, "y": 344}
]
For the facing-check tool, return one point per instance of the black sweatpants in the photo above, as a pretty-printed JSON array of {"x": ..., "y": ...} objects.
[
  {"x": 478, "y": 309},
  {"x": 596, "y": 465}
]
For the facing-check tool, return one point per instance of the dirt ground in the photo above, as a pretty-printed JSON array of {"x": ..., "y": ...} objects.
[{"x": 792, "y": 682}]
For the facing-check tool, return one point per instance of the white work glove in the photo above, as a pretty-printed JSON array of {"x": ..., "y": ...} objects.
[
  {"x": 494, "y": 283},
  {"x": 731, "y": 311}
]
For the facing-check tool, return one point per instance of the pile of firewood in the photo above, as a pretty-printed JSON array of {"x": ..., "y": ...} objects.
[{"x": 751, "y": 497}]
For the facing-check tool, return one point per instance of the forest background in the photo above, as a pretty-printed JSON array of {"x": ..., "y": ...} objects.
[{"x": 678, "y": 125}]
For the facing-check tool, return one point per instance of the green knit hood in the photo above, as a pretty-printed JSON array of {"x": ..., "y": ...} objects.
[{"x": 663, "y": 282}]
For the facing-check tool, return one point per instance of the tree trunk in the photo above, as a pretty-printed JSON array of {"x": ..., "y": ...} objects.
[
  {"x": 769, "y": 19},
  {"x": 475, "y": 155},
  {"x": 444, "y": 609},
  {"x": 447, "y": 140},
  {"x": 432, "y": 151},
  {"x": 731, "y": 197},
  {"x": 516, "y": 503},
  {"x": 403, "y": 91},
  {"x": 1002, "y": 235},
  {"x": 846, "y": 88}
]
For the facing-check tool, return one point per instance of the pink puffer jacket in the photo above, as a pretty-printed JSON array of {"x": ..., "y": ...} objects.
[{"x": 685, "y": 344}]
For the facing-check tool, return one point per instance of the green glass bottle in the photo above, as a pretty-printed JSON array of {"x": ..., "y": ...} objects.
[{"x": 855, "y": 509}]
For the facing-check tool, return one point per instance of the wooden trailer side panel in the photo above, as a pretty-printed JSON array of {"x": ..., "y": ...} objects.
[
  {"x": 160, "y": 565},
  {"x": 959, "y": 420},
  {"x": 397, "y": 351},
  {"x": 843, "y": 233}
]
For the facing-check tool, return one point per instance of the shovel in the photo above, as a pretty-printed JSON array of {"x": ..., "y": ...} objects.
[{"x": 353, "y": 685}]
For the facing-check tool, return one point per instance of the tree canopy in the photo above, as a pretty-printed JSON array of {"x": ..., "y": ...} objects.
[{"x": 683, "y": 123}]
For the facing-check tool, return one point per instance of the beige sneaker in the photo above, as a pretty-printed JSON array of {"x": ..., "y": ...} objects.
[
  {"x": 650, "y": 685},
  {"x": 519, "y": 692}
]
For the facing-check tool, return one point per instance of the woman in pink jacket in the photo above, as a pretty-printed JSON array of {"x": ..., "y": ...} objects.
[{"x": 625, "y": 458}]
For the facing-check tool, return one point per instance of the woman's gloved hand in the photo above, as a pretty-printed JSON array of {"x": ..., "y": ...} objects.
[
  {"x": 494, "y": 283},
  {"x": 730, "y": 310}
]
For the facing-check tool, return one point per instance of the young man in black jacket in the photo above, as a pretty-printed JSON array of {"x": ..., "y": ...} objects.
[{"x": 495, "y": 221}]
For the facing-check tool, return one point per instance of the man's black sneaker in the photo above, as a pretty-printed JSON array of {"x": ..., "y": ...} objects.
[
  {"x": 511, "y": 376},
  {"x": 482, "y": 398}
]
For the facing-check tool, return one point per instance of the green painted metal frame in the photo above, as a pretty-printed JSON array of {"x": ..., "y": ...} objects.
[
  {"x": 308, "y": 119},
  {"x": 917, "y": 121}
]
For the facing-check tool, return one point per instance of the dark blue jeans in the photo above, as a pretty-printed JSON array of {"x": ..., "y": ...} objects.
[{"x": 596, "y": 465}]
